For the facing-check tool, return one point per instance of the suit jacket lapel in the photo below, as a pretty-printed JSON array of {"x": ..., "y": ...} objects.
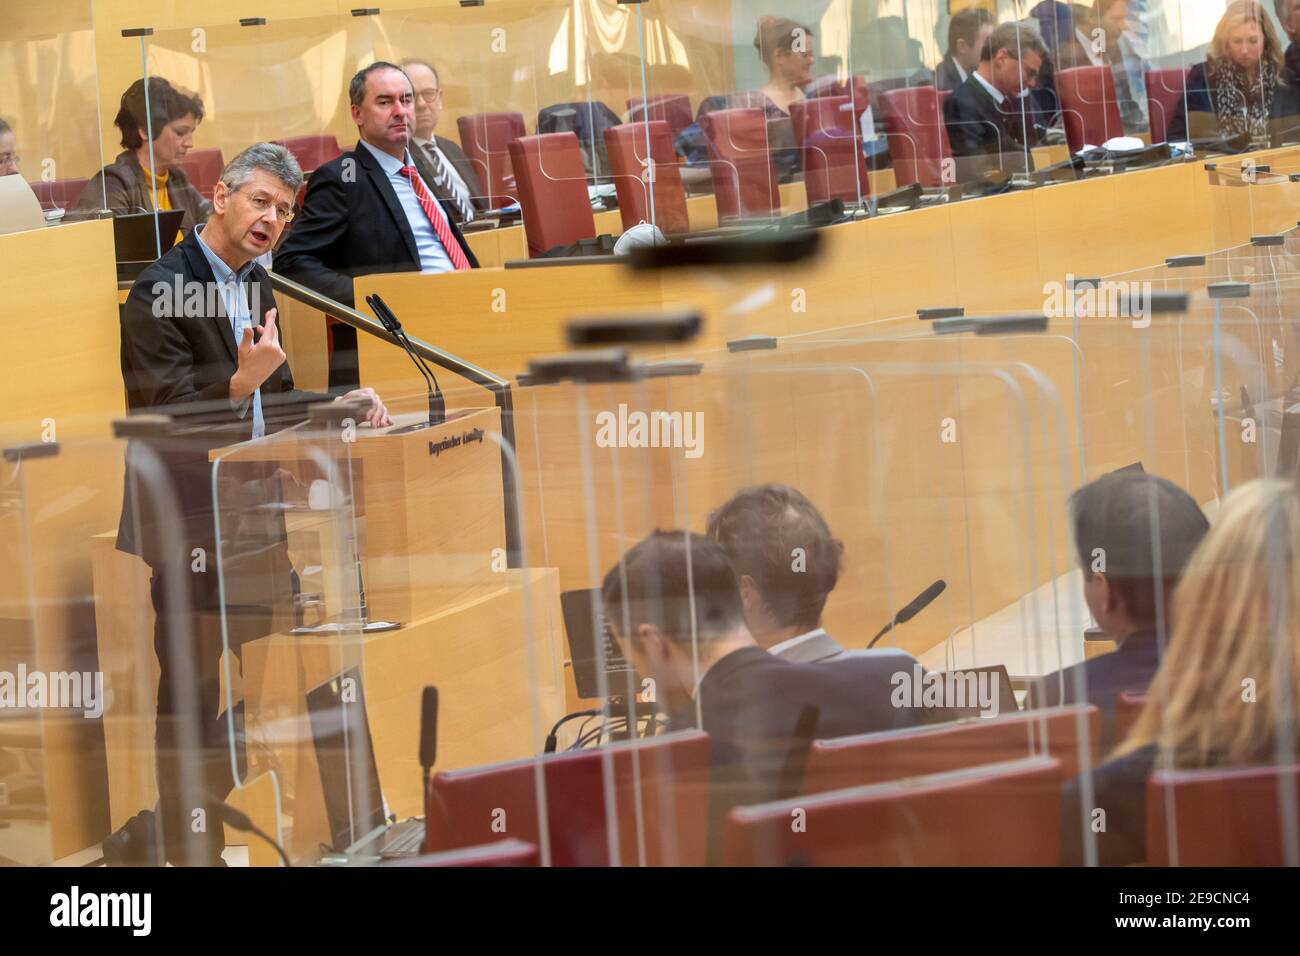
[
  {"x": 380, "y": 179},
  {"x": 201, "y": 272}
]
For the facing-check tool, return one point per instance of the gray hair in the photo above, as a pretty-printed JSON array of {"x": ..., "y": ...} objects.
[{"x": 269, "y": 157}]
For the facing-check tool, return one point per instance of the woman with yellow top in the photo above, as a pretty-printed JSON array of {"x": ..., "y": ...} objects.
[{"x": 146, "y": 175}]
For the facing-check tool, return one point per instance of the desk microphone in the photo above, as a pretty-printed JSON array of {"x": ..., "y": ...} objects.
[
  {"x": 437, "y": 408},
  {"x": 919, "y": 603},
  {"x": 428, "y": 733}
]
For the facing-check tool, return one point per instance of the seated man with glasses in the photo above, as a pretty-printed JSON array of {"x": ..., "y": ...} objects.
[
  {"x": 990, "y": 128},
  {"x": 442, "y": 163},
  {"x": 199, "y": 333}
]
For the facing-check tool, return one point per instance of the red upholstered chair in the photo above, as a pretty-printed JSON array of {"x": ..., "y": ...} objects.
[
  {"x": 202, "y": 167},
  {"x": 58, "y": 193},
  {"x": 898, "y": 754},
  {"x": 485, "y": 137},
  {"x": 1089, "y": 106},
  {"x": 822, "y": 113},
  {"x": 744, "y": 179},
  {"x": 1231, "y": 817},
  {"x": 312, "y": 151},
  {"x": 1165, "y": 89},
  {"x": 626, "y": 147},
  {"x": 918, "y": 138},
  {"x": 856, "y": 87},
  {"x": 469, "y": 807},
  {"x": 502, "y": 853},
  {"x": 552, "y": 190},
  {"x": 674, "y": 109},
  {"x": 1005, "y": 814},
  {"x": 834, "y": 167},
  {"x": 1128, "y": 706}
]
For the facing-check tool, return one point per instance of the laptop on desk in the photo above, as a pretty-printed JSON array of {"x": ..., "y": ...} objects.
[
  {"x": 139, "y": 241},
  {"x": 349, "y": 777}
]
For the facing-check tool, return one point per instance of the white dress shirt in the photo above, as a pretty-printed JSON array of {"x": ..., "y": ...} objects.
[{"x": 433, "y": 257}]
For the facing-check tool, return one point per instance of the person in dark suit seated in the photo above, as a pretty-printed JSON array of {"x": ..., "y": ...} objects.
[
  {"x": 443, "y": 164},
  {"x": 226, "y": 362},
  {"x": 146, "y": 175},
  {"x": 371, "y": 211},
  {"x": 989, "y": 128},
  {"x": 787, "y": 564},
  {"x": 1243, "y": 90},
  {"x": 710, "y": 673},
  {"x": 967, "y": 31},
  {"x": 1234, "y": 617},
  {"x": 1133, "y": 535},
  {"x": 1288, "y": 14}
]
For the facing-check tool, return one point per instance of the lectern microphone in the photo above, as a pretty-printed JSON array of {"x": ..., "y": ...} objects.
[
  {"x": 919, "y": 603},
  {"x": 437, "y": 407}
]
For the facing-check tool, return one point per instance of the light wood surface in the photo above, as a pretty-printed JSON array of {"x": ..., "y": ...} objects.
[{"x": 496, "y": 660}]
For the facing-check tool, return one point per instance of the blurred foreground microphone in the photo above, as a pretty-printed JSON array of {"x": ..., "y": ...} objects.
[{"x": 919, "y": 603}]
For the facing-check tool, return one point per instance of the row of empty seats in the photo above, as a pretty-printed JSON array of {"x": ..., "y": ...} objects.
[{"x": 981, "y": 792}]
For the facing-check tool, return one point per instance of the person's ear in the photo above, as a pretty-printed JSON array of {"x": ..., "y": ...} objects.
[
  {"x": 1110, "y": 599},
  {"x": 749, "y": 593},
  {"x": 647, "y": 640},
  {"x": 220, "y": 196},
  {"x": 356, "y": 115}
]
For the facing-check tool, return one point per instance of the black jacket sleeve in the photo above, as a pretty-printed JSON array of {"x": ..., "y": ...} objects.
[{"x": 314, "y": 251}]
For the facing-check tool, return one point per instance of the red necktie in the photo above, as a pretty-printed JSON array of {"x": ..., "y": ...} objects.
[{"x": 437, "y": 218}]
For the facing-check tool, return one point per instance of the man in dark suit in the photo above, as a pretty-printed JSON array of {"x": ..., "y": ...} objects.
[
  {"x": 989, "y": 127},
  {"x": 371, "y": 211},
  {"x": 967, "y": 31},
  {"x": 1288, "y": 14},
  {"x": 1134, "y": 534},
  {"x": 709, "y": 673},
  {"x": 442, "y": 162},
  {"x": 200, "y": 343}
]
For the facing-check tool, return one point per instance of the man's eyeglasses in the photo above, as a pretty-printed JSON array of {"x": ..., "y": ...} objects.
[
  {"x": 261, "y": 203},
  {"x": 430, "y": 97}
]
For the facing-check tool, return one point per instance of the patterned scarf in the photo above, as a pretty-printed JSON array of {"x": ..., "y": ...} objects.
[{"x": 1241, "y": 106}]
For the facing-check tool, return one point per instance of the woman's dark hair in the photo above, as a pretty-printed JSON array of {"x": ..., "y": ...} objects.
[
  {"x": 777, "y": 35},
  {"x": 166, "y": 105}
]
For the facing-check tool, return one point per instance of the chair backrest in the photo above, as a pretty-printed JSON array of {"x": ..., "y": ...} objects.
[
  {"x": 744, "y": 178},
  {"x": 312, "y": 152},
  {"x": 673, "y": 109},
  {"x": 1230, "y": 817},
  {"x": 822, "y": 113},
  {"x": 1005, "y": 814},
  {"x": 856, "y": 87},
  {"x": 1088, "y": 105},
  {"x": 1165, "y": 90},
  {"x": 502, "y": 853},
  {"x": 835, "y": 167},
  {"x": 203, "y": 168},
  {"x": 1128, "y": 706},
  {"x": 552, "y": 184},
  {"x": 588, "y": 119},
  {"x": 898, "y": 754},
  {"x": 485, "y": 137},
  {"x": 58, "y": 193},
  {"x": 637, "y": 181},
  {"x": 666, "y": 777},
  {"x": 918, "y": 138}
]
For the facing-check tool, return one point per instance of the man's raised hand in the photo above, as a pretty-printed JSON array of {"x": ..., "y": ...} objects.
[{"x": 257, "y": 361}]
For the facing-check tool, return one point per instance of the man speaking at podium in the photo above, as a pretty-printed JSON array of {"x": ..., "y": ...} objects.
[{"x": 190, "y": 349}]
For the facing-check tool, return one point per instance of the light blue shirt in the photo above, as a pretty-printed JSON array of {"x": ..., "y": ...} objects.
[
  {"x": 433, "y": 257},
  {"x": 234, "y": 299}
]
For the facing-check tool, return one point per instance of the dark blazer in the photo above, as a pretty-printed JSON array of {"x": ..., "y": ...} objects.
[
  {"x": 119, "y": 187},
  {"x": 478, "y": 198},
  {"x": 946, "y": 75},
  {"x": 185, "y": 362},
  {"x": 1130, "y": 667},
  {"x": 351, "y": 224},
  {"x": 750, "y": 703},
  {"x": 984, "y": 135},
  {"x": 1119, "y": 788},
  {"x": 1198, "y": 110}
]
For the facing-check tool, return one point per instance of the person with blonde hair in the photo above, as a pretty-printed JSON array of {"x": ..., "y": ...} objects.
[
  {"x": 1236, "y": 617},
  {"x": 1243, "y": 89}
]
